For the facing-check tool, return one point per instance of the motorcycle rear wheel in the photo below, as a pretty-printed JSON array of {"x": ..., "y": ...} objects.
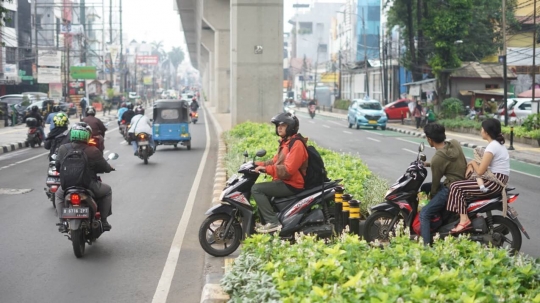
[
  {"x": 502, "y": 228},
  {"x": 377, "y": 226},
  {"x": 77, "y": 239},
  {"x": 211, "y": 233},
  {"x": 53, "y": 200}
]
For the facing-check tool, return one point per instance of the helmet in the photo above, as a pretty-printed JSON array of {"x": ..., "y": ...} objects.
[
  {"x": 130, "y": 105},
  {"x": 60, "y": 120},
  {"x": 80, "y": 133},
  {"x": 123, "y": 104},
  {"x": 139, "y": 110},
  {"x": 90, "y": 110},
  {"x": 35, "y": 108},
  {"x": 291, "y": 121},
  {"x": 56, "y": 108}
]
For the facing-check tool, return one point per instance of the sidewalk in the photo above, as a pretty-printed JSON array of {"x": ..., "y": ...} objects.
[
  {"x": 522, "y": 152},
  {"x": 14, "y": 138}
]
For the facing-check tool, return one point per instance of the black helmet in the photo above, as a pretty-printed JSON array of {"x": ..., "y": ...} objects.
[
  {"x": 90, "y": 111},
  {"x": 139, "y": 110},
  {"x": 130, "y": 105},
  {"x": 56, "y": 108},
  {"x": 287, "y": 118},
  {"x": 35, "y": 108}
]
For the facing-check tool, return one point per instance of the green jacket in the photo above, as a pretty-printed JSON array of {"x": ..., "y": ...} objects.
[{"x": 449, "y": 162}]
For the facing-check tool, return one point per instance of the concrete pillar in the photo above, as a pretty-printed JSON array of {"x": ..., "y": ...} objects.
[
  {"x": 205, "y": 61},
  {"x": 256, "y": 60},
  {"x": 222, "y": 71},
  {"x": 207, "y": 41}
]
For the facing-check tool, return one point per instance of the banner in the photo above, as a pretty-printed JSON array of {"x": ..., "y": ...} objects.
[
  {"x": 55, "y": 90},
  {"x": 83, "y": 72},
  {"x": 50, "y": 58},
  {"x": 77, "y": 88},
  {"x": 49, "y": 75},
  {"x": 148, "y": 60}
]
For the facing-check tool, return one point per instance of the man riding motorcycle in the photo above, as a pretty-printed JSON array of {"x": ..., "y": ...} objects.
[
  {"x": 34, "y": 113},
  {"x": 98, "y": 128},
  {"x": 287, "y": 169},
  {"x": 140, "y": 124},
  {"x": 57, "y": 134},
  {"x": 79, "y": 136},
  {"x": 194, "y": 105},
  {"x": 55, "y": 110},
  {"x": 128, "y": 114},
  {"x": 123, "y": 108}
]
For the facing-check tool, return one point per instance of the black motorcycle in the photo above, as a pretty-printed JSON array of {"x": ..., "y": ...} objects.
[
  {"x": 52, "y": 181},
  {"x": 143, "y": 147},
  {"x": 233, "y": 220},
  {"x": 401, "y": 204},
  {"x": 33, "y": 136},
  {"x": 82, "y": 216}
]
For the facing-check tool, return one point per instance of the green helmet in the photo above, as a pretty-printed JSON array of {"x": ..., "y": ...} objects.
[
  {"x": 80, "y": 133},
  {"x": 60, "y": 120}
]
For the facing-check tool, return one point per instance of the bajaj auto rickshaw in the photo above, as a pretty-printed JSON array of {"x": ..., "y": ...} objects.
[{"x": 171, "y": 123}]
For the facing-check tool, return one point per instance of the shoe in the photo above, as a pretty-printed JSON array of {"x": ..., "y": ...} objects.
[
  {"x": 136, "y": 154},
  {"x": 106, "y": 225},
  {"x": 461, "y": 227},
  {"x": 268, "y": 228}
]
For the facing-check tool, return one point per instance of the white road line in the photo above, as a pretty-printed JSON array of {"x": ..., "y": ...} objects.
[
  {"x": 411, "y": 151},
  {"x": 312, "y": 122},
  {"x": 375, "y": 133},
  {"x": 409, "y": 141},
  {"x": 14, "y": 154},
  {"x": 373, "y": 139},
  {"x": 347, "y": 132},
  {"x": 324, "y": 125},
  {"x": 338, "y": 123},
  {"x": 25, "y": 160},
  {"x": 164, "y": 285}
]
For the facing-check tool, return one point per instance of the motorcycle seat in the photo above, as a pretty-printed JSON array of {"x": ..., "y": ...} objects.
[
  {"x": 73, "y": 189},
  {"x": 304, "y": 193},
  {"x": 492, "y": 196}
]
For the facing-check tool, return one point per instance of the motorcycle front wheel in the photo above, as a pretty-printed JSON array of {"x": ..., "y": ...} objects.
[
  {"x": 77, "y": 239},
  {"x": 212, "y": 235},
  {"x": 378, "y": 226}
]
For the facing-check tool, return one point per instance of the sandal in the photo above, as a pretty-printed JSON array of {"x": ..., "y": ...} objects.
[{"x": 461, "y": 227}]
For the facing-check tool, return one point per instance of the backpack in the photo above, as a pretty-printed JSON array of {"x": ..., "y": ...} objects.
[
  {"x": 75, "y": 170},
  {"x": 316, "y": 172}
]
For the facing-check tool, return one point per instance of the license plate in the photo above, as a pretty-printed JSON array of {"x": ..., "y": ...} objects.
[
  {"x": 75, "y": 213},
  {"x": 143, "y": 143},
  {"x": 513, "y": 213},
  {"x": 372, "y": 122},
  {"x": 53, "y": 180}
]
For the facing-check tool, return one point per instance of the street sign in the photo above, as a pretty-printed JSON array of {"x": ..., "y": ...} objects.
[{"x": 83, "y": 72}]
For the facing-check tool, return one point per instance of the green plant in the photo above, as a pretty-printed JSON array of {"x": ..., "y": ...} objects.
[
  {"x": 532, "y": 122},
  {"x": 451, "y": 108},
  {"x": 25, "y": 101},
  {"x": 342, "y": 104}
]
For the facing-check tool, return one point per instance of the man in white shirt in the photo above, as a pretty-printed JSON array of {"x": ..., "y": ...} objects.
[{"x": 140, "y": 124}]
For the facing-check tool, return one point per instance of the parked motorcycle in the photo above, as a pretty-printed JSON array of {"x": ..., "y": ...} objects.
[
  {"x": 83, "y": 219},
  {"x": 312, "y": 111},
  {"x": 143, "y": 146},
  {"x": 33, "y": 136},
  {"x": 401, "y": 204},
  {"x": 194, "y": 116},
  {"x": 233, "y": 220},
  {"x": 52, "y": 181}
]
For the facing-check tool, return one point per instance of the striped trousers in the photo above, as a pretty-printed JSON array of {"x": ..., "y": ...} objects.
[{"x": 460, "y": 191}]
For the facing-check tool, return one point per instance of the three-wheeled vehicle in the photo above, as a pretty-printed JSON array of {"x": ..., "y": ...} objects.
[{"x": 171, "y": 123}]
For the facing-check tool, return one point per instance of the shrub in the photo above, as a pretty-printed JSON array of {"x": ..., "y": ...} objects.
[
  {"x": 532, "y": 122},
  {"x": 451, "y": 108},
  {"x": 342, "y": 104}
]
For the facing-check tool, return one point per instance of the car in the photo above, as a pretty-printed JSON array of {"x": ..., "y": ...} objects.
[
  {"x": 518, "y": 109},
  {"x": 395, "y": 109},
  {"x": 366, "y": 112}
]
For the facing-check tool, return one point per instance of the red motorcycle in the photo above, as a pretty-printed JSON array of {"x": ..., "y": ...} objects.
[{"x": 194, "y": 116}]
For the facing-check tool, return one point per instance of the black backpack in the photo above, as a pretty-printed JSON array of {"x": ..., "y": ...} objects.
[
  {"x": 74, "y": 169},
  {"x": 316, "y": 172}
]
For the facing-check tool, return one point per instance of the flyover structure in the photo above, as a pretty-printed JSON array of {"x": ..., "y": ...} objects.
[{"x": 237, "y": 46}]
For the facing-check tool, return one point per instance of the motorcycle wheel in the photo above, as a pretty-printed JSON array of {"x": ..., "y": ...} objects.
[
  {"x": 211, "y": 233},
  {"x": 77, "y": 239},
  {"x": 145, "y": 155},
  {"x": 377, "y": 226},
  {"x": 32, "y": 144},
  {"x": 189, "y": 145},
  {"x": 503, "y": 228},
  {"x": 53, "y": 200}
]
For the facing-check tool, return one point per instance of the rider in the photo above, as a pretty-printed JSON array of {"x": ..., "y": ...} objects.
[
  {"x": 34, "y": 113},
  {"x": 140, "y": 124},
  {"x": 57, "y": 134},
  {"x": 49, "y": 120},
  {"x": 98, "y": 128},
  {"x": 448, "y": 161},
  {"x": 79, "y": 137},
  {"x": 128, "y": 114},
  {"x": 287, "y": 169},
  {"x": 194, "y": 105},
  {"x": 121, "y": 111}
]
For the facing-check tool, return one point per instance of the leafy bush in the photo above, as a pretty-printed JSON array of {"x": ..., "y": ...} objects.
[
  {"x": 350, "y": 270},
  {"x": 519, "y": 131},
  {"x": 532, "y": 122},
  {"x": 25, "y": 100},
  {"x": 452, "y": 107},
  {"x": 342, "y": 104},
  {"x": 357, "y": 178}
]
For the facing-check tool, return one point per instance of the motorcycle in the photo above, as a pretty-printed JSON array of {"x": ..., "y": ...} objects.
[
  {"x": 33, "y": 136},
  {"x": 144, "y": 148},
  {"x": 290, "y": 108},
  {"x": 312, "y": 111},
  {"x": 194, "y": 116},
  {"x": 126, "y": 134},
  {"x": 401, "y": 204},
  {"x": 232, "y": 221},
  {"x": 82, "y": 217},
  {"x": 52, "y": 181},
  {"x": 123, "y": 127}
]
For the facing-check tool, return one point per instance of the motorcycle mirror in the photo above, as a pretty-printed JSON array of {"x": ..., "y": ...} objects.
[
  {"x": 261, "y": 153},
  {"x": 246, "y": 154},
  {"x": 423, "y": 157},
  {"x": 112, "y": 156},
  {"x": 421, "y": 147}
]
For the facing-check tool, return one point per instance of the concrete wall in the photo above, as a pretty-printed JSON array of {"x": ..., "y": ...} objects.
[{"x": 471, "y": 84}]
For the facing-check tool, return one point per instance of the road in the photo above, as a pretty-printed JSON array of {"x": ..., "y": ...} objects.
[
  {"x": 137, "y": 261},
  {"x": 389, "y": 153}
]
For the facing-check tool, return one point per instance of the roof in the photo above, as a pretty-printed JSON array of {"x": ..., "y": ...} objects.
[
  {"x": 527, "y": 19},
  {"x": 167, "y": 103},
  {"x": 482, "y": 71},
  {"x": 491, "y": 92},
  {"x": 419, "y": 82}
]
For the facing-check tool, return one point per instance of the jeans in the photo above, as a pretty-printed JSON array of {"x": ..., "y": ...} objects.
[
  {"x": 262, "y": 192},
  {"x": 41, "y": 132},
  {"x": 135, "y": 146},
  {"x": 434, "y": 207},
  {"x": 102, "y": 194}
]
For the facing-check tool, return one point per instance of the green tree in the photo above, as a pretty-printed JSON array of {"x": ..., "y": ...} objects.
[
  {"x": 157, "y": 50},
  {"x": 176, "y": 55}
]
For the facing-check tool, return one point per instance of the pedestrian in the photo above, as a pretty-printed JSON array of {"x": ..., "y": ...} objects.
[
  {"x": 83, "y": 104},
  {"x": 418, "y": 114}
]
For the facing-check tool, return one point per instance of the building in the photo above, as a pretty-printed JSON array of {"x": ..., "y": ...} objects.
[
  {"x": 9, "y": 64},
  {"x": 368, "y": 29}
]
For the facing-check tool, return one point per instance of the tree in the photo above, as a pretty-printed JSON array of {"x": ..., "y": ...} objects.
[
  {"x": 157, "y": 50},
  {"x": 176, "y": 55}
]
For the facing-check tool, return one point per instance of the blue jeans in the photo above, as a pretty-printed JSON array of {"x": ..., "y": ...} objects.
[
  {"x": 150, "y": 140},
  {"x": 434, "y": 207}
]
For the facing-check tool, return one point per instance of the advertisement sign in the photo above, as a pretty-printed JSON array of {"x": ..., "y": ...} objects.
[
  {"x": 77, "y": 88},
  {"x": 147, "y": 80},
  {"x": 49, "y": 75},
  {"x": 148, "y": 60},
  {"x": 10, "y": 71},
  {"x": 49, "y": 58},
  {"x": 55, "y": 90},
  {"x": 83, "y": 72}
]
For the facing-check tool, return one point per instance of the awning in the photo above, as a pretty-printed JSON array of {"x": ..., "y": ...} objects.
[{"x": 465, "y": 92}]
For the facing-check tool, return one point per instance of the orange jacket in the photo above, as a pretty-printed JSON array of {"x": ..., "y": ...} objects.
[{"x": 288, "y": 165}]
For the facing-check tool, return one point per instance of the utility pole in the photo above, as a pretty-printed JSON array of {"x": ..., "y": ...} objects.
[
  {"x": 340, "y": 74},
  {"x": 122, "y": 72},
  {"x": 83, "y": 23},
  {"x": 36, "y": 33},
  {"x": 316, "y": 70},
  {"x": 382, "y": 70},
  {"x": 366, "y": 82},
  {"x": 505, "y": 91},
  {"x": 534, "y": 56},
  {"x": 111, "y": 70}
]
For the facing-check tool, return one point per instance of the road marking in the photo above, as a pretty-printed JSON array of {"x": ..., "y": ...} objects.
[
  {"x": 347, "y": 132},
  {"x": 312, "y": 122},
  {"x": 375, "y": 133},
  {"x": 164, "y": 285},
  {"x": 340, "y": 124},
  {"x": 326, "y": 126},
  {"x": 411, "y": 151},
  {"x": 14, "y": 154},
  {"x": 409, "y": 141},
  {"x": 373, "y": 139},
  {"x": 22, "y": 161}
]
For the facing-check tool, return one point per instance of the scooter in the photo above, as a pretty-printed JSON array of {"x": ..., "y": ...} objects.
[
  {"x": 312, "y": 109},
  {"x": 194, "y": 116},
  {"x": 33, "y": 136},
  {"x": 52, "y": 181},
  {"x": 233, "y": 220},
  {"x": 143, "y": 146}
]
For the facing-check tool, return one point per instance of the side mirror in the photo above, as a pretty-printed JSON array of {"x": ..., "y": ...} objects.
[
  {"x": 423, "y": 157},
  {"x": 245, "y": 154},
  {"x": 261, "y": 153},
  {"x": 112, "y": 156},
  {"x": 421, "y": 147}
]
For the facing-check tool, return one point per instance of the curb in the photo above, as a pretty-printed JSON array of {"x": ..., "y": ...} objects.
[{"x": 212, "y": 291}]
